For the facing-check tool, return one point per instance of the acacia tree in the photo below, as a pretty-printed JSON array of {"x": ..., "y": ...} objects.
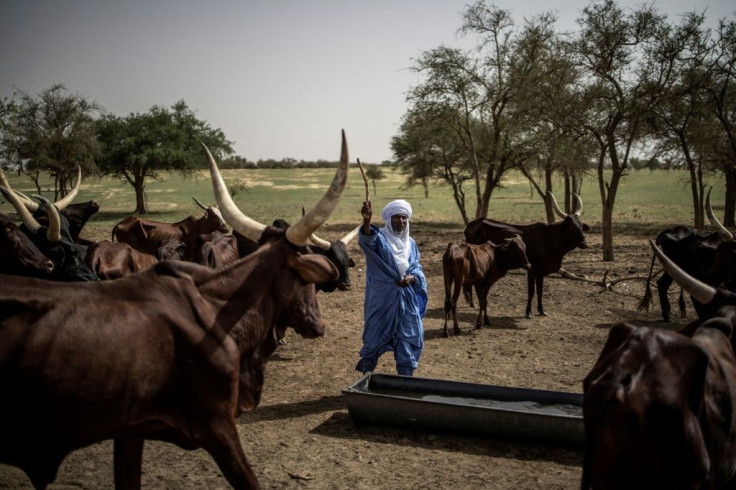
[
  {"x": 482, "y": 89},
  {"x": 722, "y": 95},
  {"x": 428, "y": 147},
  {"x": 374, "y": 173},
  {"x": 681, "y": 122},
  {"x": 52, "y": 132},
  {"x": 143, "y": 146},
  {"x": 623, "y": 84}
]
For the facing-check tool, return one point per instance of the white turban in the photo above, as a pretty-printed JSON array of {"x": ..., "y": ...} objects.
[
  {"x": 399, "y": 243},
  {"x": 398, "y": 206}
]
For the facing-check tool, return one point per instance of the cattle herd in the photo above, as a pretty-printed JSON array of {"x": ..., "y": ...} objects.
[{"x": 659, "y": 406}]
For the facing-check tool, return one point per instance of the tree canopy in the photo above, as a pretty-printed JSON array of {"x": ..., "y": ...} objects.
[{"x": 139, "y": 146}]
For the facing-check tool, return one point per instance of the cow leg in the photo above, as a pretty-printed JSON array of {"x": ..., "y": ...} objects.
[
  {"x": 663, "y": 284},
  {"x": 540, "y": 288},
  {"x": 223, "y": 444},
  {"x": 127, "y": 461},
  {"x": 529, "y": 292},
  {"x": 455, "y": 297},
  {"x": 483, "y": 301}
]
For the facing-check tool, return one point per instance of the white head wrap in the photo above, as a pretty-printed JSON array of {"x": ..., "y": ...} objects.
[{"x": 398, "y": 243}]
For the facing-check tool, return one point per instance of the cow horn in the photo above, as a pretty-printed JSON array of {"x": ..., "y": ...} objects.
[
  {"x": 67, "y": 200},
  {"x": 722, "y": 230},
  {"x": 29, "y": 204},
  {"x": 248, "y": 227},
  {"x": 25, "y": 215},
  {"x": 319, "y": 242},
  {"x": 299, "y": 233},
  {"x": 199, "y": 204},
  {"x": 350, "y": 235},
  {"x": 579, "y": 208},
  {"x": 555, "y": 206},
  {"x": 53, "y": 233},
  {"x": 698, "y": 290}
]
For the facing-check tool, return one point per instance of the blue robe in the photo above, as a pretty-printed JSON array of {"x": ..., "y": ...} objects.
[{"x": 393, "y": 314}]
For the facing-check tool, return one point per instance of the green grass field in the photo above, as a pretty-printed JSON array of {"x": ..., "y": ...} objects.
[{"x": 649, "y": 200}]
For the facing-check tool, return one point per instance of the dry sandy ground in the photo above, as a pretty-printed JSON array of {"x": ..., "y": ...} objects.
[{"x": 302, "y": 436}]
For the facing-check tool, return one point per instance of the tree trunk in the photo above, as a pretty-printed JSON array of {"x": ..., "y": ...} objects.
[
  {"x": 548, "y": 187},
  {"x": 140, "y": 197}
]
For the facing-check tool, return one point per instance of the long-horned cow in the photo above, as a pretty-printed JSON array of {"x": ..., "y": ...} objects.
[
  {"x": 53, "y": 240},
  {"x": 174, "y": 353},
  {"x": 546, "y": 245},
  {"x": 694, "y": 251},
  {"x": 147, "y": 235},
  {"x": 480, "y": 266},
  {"x": 659, "y": 406}
]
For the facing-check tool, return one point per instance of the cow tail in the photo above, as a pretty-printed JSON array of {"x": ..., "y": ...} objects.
[{"x": 646, "y": 301}]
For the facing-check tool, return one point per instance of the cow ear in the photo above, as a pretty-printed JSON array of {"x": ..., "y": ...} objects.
[
  {"x": 693, "y": 362},
  {"x": 313, "y": 268},
  {"x": 616, "y": 336}
]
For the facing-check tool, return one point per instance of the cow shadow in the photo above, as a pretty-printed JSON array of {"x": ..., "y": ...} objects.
[
  {"x": 341, "y": 426},
  {"x": 283, "y": 411}
]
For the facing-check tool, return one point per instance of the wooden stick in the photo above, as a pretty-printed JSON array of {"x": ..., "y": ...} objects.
[{"x": 365, "y": 180}]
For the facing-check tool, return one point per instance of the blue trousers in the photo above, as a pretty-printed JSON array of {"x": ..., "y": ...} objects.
[{"x": 405, "y": 354}]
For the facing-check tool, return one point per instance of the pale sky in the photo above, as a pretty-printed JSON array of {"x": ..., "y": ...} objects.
[{"x": 281, "y": 78}]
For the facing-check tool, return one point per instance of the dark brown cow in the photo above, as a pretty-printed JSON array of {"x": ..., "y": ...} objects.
[
  {"x": 18, "y": 254},
  {"x": 546, "y": 245},
  {"x": 113, "y": 260},
  {"x": 480, "y": 266},
  {"x": 216, "y": 250},
  {"x": 659, "y": 406},
  {"x": 695, "y": 251},
  {"x": 147, "y": 235},
  {"x": 174, "y": 353}
]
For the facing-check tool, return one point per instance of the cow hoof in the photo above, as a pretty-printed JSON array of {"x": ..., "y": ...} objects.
[
  {"x": 445, "y": 335},
  {"x": 542, "y": 313},
  {"x": 282, "y": 342},
  {"x": 528, "y": 316},
  {"x": 457, "y": 331}
]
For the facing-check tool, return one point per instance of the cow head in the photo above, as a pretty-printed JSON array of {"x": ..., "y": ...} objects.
[
  {"x": 68, "y": 257},
  {"x": 514, "y": 250},
  {"x": 337, "y": 253},
  {"x": 573, "y": 222},
  {"x": 212, "y": 220},
  {"x": 293, "y": 291},
  {"x": 18, "y": 254},
  {"x": 171, "y": 250}
]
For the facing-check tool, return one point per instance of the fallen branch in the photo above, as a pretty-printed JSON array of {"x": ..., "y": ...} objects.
[{"x": 605, "y": 282}]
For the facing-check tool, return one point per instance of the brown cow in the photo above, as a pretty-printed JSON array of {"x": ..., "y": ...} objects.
[
  {"x": 480, "y": 266},
  {"x": 147, "y": 235},
  {"x": 546, "y": 245},
  {"x": 659, "y": 407},
  {"x": 113, "y": 260},
  {"x": 174, "y": 353}
]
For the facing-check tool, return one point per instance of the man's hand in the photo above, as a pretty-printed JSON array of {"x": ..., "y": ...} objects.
[
  {"x": 367, "y": 213},
  {"x": 406, "y": 280}
]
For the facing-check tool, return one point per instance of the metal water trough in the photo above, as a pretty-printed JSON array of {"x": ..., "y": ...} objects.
[{"x": 544, "y": 416}]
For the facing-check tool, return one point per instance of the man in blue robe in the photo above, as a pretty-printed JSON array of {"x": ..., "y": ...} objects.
[{"x": 395, "y": 290}]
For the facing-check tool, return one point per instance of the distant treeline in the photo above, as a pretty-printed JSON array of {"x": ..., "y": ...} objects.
[{"x": 242, "y": 162}]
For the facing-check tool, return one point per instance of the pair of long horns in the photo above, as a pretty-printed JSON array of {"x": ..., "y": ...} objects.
[
  {"x": 33, "y": 206},
  {"x": 300, "y": 233},
  {"x": 578, "y": 205},
  {"x": 53, "y": 232}
]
